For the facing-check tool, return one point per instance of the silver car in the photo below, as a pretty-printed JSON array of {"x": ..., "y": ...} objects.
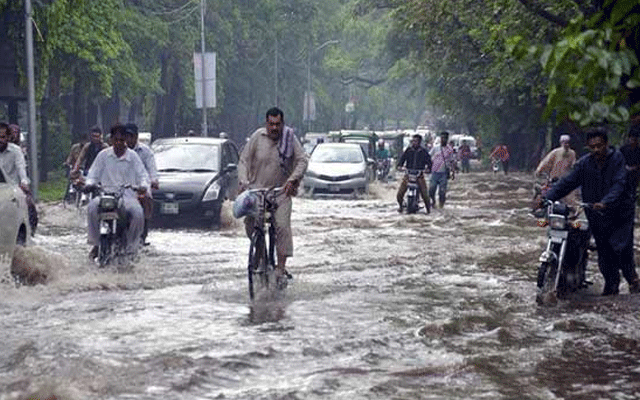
[
  {"x": 338, "y": 169},
  {"x": 14, "y": 223}
]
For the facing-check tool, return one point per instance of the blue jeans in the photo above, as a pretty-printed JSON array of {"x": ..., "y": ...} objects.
[{"x": 438, "y": 181}]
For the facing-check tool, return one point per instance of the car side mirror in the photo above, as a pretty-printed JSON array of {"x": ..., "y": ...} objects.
[{"x": 231, "y": 167}]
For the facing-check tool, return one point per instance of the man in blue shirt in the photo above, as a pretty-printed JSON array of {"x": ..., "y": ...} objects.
[{"x": 602, "y": 177}]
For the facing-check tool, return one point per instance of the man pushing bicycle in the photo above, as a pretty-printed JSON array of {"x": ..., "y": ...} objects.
[{"x": 273, "y": 157}]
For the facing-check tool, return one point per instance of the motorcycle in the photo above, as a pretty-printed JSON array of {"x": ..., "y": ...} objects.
[
  {"x": 382, "y": 169},
  {"x": 563, "y": 263},
  {"x": 113, "y": 222},
  {"x": 412, "y": 202}
]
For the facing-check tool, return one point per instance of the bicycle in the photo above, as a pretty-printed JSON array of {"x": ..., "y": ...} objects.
[{"x": 261, "y": 205}]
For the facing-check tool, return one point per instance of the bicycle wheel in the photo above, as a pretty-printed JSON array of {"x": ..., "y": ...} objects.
[
  {"x": 280, "y": 282},
  {"x": 257, "y": 269}
]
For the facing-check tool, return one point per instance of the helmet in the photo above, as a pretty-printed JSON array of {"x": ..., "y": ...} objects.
[{"x": 245, "y": 204}]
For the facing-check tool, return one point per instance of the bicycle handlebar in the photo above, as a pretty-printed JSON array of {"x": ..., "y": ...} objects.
[{"x": 275, "y": 190}]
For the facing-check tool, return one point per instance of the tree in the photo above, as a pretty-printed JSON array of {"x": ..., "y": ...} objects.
[{"x": 592, "y": 64}]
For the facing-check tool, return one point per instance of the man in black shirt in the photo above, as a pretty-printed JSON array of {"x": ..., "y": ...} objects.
[
  {"x": 415, "y": 157},
  {"x": 602, "y": 177}
]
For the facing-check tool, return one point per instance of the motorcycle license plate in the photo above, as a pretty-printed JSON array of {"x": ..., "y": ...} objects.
[{"x": 169, "y": 208}]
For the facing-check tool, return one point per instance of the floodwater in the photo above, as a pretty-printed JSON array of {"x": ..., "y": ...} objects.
[{"x": 382, "y": 306}]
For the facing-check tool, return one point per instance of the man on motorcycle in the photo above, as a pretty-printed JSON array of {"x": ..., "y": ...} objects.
[
  {"x": 113, "y": 168},
  {"x": 602, "y": 177},
  {"x": 89, "y": 152},
  {"x": 415, "y": 157},
  {"x": 382, "y": 157},
  {"x": 146, "y": 155},
  {"x": 501, "y": 154}
]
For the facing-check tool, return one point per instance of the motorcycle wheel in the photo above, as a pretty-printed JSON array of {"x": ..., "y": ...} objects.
[
  {"x": 104, "y": 251},
  {"x": 412, "y": 204},
  {"x": 546, "y": 293}
]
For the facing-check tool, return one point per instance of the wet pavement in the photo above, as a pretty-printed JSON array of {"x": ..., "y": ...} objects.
[{"x": 382, "y": 306}]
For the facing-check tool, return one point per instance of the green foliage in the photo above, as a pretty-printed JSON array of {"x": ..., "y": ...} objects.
[
  {"x": 589, "y": 65},
  {"x": 85, "y": 36},
  {"x": 54, "y": 188}
]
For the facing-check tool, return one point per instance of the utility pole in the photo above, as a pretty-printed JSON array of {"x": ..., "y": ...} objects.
[
  {"x": 308, "y": 96},
  {"x": 276, "y": 74},
  {"x": 33, "y": 148},
  {"x": 205, "y": 131}
]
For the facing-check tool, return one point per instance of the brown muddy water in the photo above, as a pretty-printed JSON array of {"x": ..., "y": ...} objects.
[{"x": 382, "y": 306}]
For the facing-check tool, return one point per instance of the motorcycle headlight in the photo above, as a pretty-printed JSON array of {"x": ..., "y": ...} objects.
[
  {"x": 557, "y": 221},
  {"x": 108, "y": 203},
  {"x": 212, "y": 192},
  {"x": 581, "y": 224}
]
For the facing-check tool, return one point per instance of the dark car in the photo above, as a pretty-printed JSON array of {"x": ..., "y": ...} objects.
[{"x": 196, "y": 175}]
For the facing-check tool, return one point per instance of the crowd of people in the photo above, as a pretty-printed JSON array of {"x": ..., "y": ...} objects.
[{"x": 606, "y": 178}]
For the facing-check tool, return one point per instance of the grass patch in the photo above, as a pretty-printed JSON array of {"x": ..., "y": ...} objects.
[{"x": 53, "y": 189}]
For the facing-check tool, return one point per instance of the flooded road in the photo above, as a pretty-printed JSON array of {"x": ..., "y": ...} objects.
[{"x": 382, "y": 306}]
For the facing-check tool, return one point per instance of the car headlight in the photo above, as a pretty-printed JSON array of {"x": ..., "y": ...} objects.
[
  {"x": 557, "y": 221},
  {"x": 212, "y": 192}
]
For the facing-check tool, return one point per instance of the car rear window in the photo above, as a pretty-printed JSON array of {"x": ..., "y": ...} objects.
[
  {"x": 187, "y": 157},
  {"x": 330, "y": 154}
]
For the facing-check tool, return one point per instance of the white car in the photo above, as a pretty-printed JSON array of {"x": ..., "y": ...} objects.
[
  {"x": 14, "y": 222},
  {"x": 337, "y": 169}
]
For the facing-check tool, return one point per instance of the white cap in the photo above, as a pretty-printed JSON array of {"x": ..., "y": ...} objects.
[{"x": 565, "y": 138}]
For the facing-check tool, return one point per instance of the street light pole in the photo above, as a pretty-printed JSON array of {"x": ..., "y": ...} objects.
[
  {"x": 308, "y": 96},
  {"x": 204, "y": 72},
  {"x": 33, "y": 149}
]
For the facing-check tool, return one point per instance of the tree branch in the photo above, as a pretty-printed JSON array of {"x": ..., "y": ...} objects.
[{"x": 541, "y": 12}]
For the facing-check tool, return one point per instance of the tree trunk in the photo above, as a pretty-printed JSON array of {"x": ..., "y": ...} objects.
[{"x": 79, "y": 126}]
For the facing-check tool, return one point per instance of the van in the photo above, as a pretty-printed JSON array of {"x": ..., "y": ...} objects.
[{"x": 471, "y": 141}]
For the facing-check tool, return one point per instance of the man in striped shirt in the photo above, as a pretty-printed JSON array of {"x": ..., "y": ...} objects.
[{"x": 443, "y": 168}]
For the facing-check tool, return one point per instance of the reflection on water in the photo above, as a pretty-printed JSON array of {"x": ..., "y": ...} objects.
[{"x": 382, "y": 306}]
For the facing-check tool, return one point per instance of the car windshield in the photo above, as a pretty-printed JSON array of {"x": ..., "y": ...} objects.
[
  {"x": 330, "y": 154},
  {"x": 187, "y": 157}
]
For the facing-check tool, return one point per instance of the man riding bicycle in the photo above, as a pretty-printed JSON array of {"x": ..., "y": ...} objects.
[{"x": 273, "y": 157}]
